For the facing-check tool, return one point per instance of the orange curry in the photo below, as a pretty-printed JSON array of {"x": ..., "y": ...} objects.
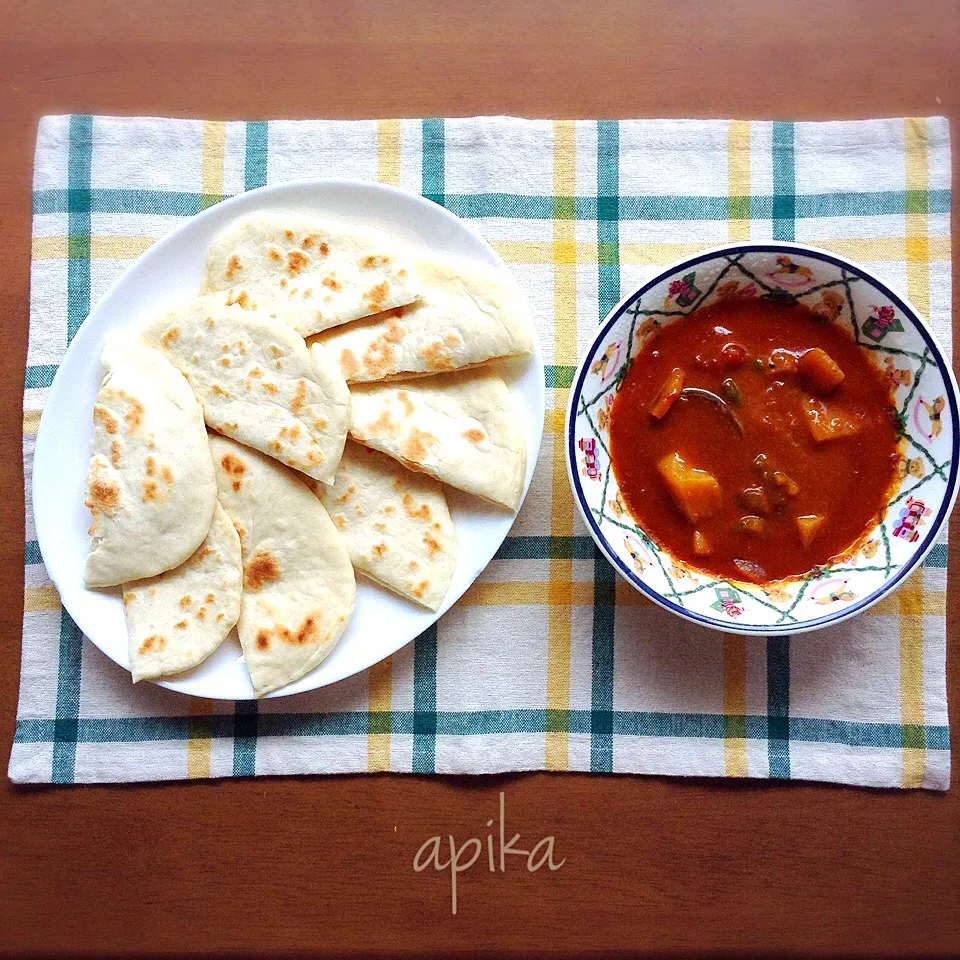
[{"x": 754, "y": 440}]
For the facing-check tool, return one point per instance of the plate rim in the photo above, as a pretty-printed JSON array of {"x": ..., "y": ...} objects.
[
  {"x": 765, "y": 246},
  {"x": 45, "y": 430}
]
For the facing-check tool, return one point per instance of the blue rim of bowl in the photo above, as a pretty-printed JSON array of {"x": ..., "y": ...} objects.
[{"x": 946, "y": 371}]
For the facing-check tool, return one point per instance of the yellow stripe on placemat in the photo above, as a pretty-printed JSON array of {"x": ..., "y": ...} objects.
[
  {"x": 199, "y": 744},
  {"x": 917, "y": 224},
  {"x": 873, "y": 249},
  {"x": 911, "y": 601},
  {"x": 735, "y": 705},
  {"x": 911, "y": 611},
  {"x": 101, "y": 248},
  {"x": 31, "y": 422},
  {"x": 211, "y": 169},
  {"x": 559, "y": 589},
  {"x": 738, "y": 180},
  {"x": 388, "y": 151},
  {"x": 36, "y": 599},
  {"x": 379, "y": 696}
]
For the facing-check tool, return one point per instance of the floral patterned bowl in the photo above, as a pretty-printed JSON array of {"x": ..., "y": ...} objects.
[{"x": 898, "y": 339}]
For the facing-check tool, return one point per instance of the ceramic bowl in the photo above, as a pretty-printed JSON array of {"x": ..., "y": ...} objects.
[{"x": 898, "y": 340}]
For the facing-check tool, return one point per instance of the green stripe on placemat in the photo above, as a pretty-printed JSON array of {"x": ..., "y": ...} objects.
[
  {"x": 424, "y": 702},
  {"x": 478, "y": 723},
  {"x": 255, "y": 156},
  {"x": 245, "y": 732},
  {"x": 778, "y": 706},
  {"x": 527, "y": 207},
  {"x": 784, "y": 202},
  {"x": 432, "y": 173}
]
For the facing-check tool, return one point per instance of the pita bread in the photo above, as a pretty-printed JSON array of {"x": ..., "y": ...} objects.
[
  {"x": 460, "y": 428},
  {"x": 150, "y": 484},
  {"x": 465, "y": 317},
  {"x": 298, "y": 585},
  {"x": 177, "y": 619},
  {"x": 395, "y": 523},
  {"x": 312, "y": 273},
  {"x": 258, "y": 382}
]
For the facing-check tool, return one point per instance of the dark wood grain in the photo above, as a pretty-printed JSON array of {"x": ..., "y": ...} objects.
[{"x": 324, "y": 864}]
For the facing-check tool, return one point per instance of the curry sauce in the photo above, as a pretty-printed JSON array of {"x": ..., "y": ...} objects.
[{"x": 754, "y": 440}]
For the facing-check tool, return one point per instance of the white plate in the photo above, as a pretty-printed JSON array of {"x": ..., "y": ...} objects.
[{"x": 172, "y": 268}]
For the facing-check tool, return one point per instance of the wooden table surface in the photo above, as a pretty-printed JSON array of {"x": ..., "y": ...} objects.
[{"x": 316, "y": 865}]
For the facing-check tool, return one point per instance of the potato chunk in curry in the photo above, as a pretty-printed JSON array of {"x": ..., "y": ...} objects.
[{"x": 694, "y": 491}]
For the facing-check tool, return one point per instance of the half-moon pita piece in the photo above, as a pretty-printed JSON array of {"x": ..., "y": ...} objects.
[
  {"x": 150, "y": 484},
  {"x": 299, "y": 588},
  {"x": 460, "y": 428},
  {"x": 177, "y": 619},
  {"x": 396, "y": 524},
  {"x": 314, "y": 274},
  {"x": 465, "y": 317},
  {"x": 258, "y": 382}
]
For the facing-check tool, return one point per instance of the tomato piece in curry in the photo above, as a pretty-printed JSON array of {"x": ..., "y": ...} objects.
[{"x": 754, "y": 440}]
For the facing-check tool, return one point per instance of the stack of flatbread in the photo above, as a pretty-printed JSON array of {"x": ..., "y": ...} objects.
[{"x": 295, "y": 422}]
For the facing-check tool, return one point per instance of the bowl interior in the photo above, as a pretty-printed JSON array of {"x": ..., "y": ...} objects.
[{"x": 925, "y": 397}]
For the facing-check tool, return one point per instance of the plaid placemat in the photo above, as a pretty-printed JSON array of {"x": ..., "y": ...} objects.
[{"x": 549, "y": 661}]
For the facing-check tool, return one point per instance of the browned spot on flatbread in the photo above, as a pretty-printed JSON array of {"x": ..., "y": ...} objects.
[
  {"x": 217, "y": 389},
  {"x": 421, "y": 512},
  {"x": 182, "y": 625},
  {"x": 234, "y": 266},
  {"x": 271, "y": 388},
  {"x": 346, "y": 495},
  {"x": 379, "y": 549},
  {"x": 419, "y": 589},
  {"x": 451, "y": 340},
  {"x": 115, "y": 452},
  {"x": 104, "y": 497},
  {"x": 324, "y": 249},
  {"x": 389, "y": 509},
  {"x": 436, "y": 356},
  {"x": 283, "y": 281},
  {"x": 128, "y": 598},
  {"x": 209, "y": 598},
  {"x": 275, "y": 255},
  {"x": 167, "y": 474},
  {"x": 288, "y": 234},
  {"x": 275, "y": 350},
  {"x": 210, "y": 322},
  {"x": 376, "y": 295},
  {"x": 308, "y": 632},
  {"x": 339, "y": 521},
  {"x": 296, "y": 261},
  {"x": 234, "y": 468},
  {"x": 154, "y": 642},
  {"x": 315, "y": 458},
  {"x": 299, "y": 397},
  {"x": 331, "y": 281},
  {"x": 295, "y": 432},
  {"x": 413, "y": 564},
  {"x": 170, "y": 337},
  {"x": 308, "y": 241},
  {"x": 151, "y": 466},
  {"x": 185, "y": 601},
  {"x": 230, "y": 427},
  {"x": 383, "y": 426},
  {"x": 275, "y": 446},
  {"x": 433, "y": 545},
  {"x": 262, "y": 568},
  {"x": 102, "y": 415},
  {"x": 372, "y": 261},
  {"x": 417, "y": 445},
  {"x": 319, "y": 424},
  {"x": 149, "y": 491},
  {"x": 348, "y": 364},
  {"x": 134, "y": 415},
  {"x": 474, "y": 435},
  {"x": 202, "y": 613},
  {"x": 242, "y": 299},
  {"x": 405, "y": 402},
  {"x": 380, "y": 527},
  {"x": 379, "y": 358},
  {"x": 225, "y": 362}
]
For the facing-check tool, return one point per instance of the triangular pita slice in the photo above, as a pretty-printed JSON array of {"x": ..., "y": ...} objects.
[
  {"x": 150, "y": 483},
  {"x": 298, "y": 585},
  {"x": 396, "y": 524},
  {"x": 313, "y": 273},
  {"x": 177, "y": 619},
  {"x": 258, "y": 382},
  {"x": 460, "y": 428},
  {"x": 466, "y": 316}
]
